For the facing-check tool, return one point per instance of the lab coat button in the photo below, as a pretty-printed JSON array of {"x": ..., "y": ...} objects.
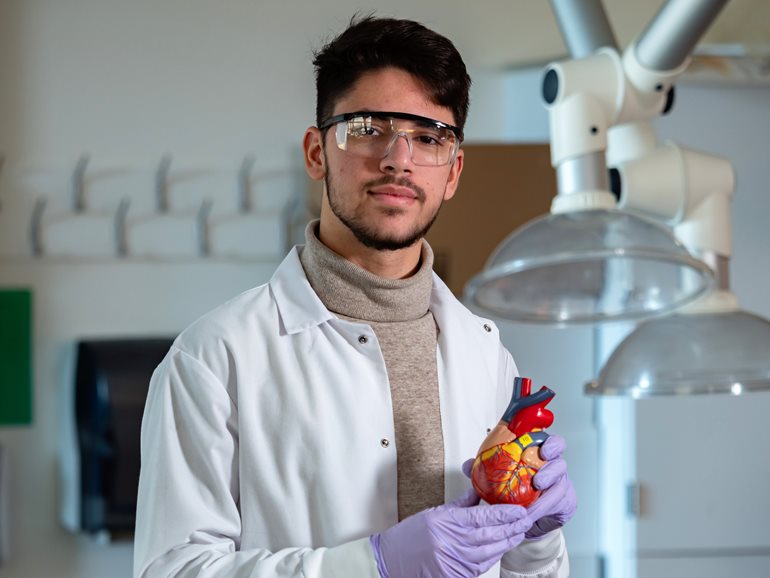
[
  {"x": 384, "y": 442},
  {"x": 362, "y": 339},
  {"x": 487, "y": 328}
]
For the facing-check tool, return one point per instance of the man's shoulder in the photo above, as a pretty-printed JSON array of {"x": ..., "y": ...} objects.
[
  {"x": 241, "y": 312},
  {"x": 252, "y": 302},
  {"x": 229, "y": 319},
  {"x": 262, "y": 312}
]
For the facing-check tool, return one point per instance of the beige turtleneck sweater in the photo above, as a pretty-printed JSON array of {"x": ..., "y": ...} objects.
[{"x": 398, "y": 312}]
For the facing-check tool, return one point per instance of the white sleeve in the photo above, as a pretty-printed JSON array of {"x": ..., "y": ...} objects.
[
  {"x": 188, "y": 520},
  {"x": 543, "y": 558}
]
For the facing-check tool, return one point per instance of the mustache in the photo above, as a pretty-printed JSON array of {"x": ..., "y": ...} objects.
[{"x": 397, "y": 181}]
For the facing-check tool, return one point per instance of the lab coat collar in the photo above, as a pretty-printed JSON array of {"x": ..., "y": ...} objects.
[
  {"x": 300, "y": 308},
  {"x": 298, "y": 305},
  {"x": 448, "y": 311}
]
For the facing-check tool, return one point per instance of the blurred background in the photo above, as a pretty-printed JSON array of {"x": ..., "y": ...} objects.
[{"x": 150, "y": 168}]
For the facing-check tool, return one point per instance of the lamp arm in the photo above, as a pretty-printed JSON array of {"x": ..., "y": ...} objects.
[
  {"x": 586, "y": 97},
  {"x": 584, "y": 26},
  {"x": 661, "y": 53},
  {"x": 674, "y": 31},
  {"x": 690, "y": 190},
  {"x": 581, "y": 97},
  {"x": 665, "y": 43}
]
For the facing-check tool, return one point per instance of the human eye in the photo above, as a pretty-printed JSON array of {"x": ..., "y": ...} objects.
[
  {"x": 430, "y": 137},
  {"x": 363, "y": 126}
]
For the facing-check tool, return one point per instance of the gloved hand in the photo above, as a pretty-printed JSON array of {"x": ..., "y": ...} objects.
[
  {"x": 558, "y": 502},
  {"x": 458, "y": 540}
]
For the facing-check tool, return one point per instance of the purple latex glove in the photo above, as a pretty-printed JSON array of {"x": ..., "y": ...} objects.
[
  {"x": 558, "y": 502},
  {"x": 457, "y": 540}
]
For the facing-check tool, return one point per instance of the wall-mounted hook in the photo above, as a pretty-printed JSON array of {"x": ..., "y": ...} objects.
[
  {"x": 244, "y": 184},
  {"x": 36, "y": 227},
  {"x": 121, "y": 238},
  {"x": 78, "y": 185},
  {"x": 204, "y": 231},
  {"x": 161, "y": 184}
]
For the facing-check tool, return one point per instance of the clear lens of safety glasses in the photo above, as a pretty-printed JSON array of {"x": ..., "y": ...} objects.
[{"x": 373, "y": 134}]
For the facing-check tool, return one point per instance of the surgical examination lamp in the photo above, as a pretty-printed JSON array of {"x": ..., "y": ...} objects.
[{"x": 607, "y": 251}]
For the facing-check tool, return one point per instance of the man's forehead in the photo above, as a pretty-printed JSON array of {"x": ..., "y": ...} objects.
[{"x": 392, "y": 89}]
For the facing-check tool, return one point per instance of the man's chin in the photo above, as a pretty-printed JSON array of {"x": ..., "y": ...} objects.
[{"x": 387, "y": 242}]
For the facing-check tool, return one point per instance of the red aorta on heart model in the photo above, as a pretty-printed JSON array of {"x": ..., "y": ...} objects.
[{"x": 510, "y": 455}]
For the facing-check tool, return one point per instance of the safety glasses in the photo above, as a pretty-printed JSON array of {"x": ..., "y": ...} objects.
[{"x": 371, "y": 134}]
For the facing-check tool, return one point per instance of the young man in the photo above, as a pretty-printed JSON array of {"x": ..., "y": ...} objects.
[{"x": 317, "y": 426}]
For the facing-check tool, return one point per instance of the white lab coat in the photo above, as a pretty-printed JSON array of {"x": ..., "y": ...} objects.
[{"x": 268, "y": 446}]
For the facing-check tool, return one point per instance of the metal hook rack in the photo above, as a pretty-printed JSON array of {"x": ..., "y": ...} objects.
[
  {"x": 78, "y": 184},
  {"x": 50, "y": 230},
  {"x": 204, "y": 229},
  {"x": 244, "y": 183},
  {"x": 36, "y": 227},
  {"x": 161, "y": 184},
  {"x": 121, "y": 236}
]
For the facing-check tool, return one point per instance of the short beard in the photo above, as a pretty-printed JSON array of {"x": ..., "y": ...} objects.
[{"x": 368, "y": 236}]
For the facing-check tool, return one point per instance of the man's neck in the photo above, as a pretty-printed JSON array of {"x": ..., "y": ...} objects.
[{"x": 398, "y": 264}]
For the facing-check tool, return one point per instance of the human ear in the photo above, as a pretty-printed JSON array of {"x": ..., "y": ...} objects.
[{"x": 315, "y": 160}]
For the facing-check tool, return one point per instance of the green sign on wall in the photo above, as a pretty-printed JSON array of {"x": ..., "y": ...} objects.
[{"x": 15, "y": 356}]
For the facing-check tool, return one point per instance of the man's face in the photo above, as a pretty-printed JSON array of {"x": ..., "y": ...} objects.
[{"x": 388, "y": 203}]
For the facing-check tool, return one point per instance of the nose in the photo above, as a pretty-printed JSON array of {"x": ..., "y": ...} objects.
[{"x": 398, "y": 155}]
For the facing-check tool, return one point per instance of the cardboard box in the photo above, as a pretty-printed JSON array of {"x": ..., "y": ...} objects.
[{"x": 502, "y": 186}]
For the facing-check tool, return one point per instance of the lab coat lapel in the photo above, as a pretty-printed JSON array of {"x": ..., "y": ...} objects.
[{"x": 468, "y": 358}]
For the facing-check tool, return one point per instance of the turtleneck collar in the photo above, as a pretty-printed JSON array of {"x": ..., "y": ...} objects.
[{"x": 351, "y": 291}]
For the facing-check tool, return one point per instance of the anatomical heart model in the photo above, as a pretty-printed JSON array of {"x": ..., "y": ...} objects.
[{"x": 510, "y": 455}]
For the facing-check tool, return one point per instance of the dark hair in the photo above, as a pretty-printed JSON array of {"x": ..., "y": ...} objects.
[{"x": 371, "y": 43}]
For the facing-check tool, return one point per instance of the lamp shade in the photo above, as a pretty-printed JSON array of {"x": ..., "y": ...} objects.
[
  {"x": 684, "y": 354},
  {"x": 587, "y": 266}
]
